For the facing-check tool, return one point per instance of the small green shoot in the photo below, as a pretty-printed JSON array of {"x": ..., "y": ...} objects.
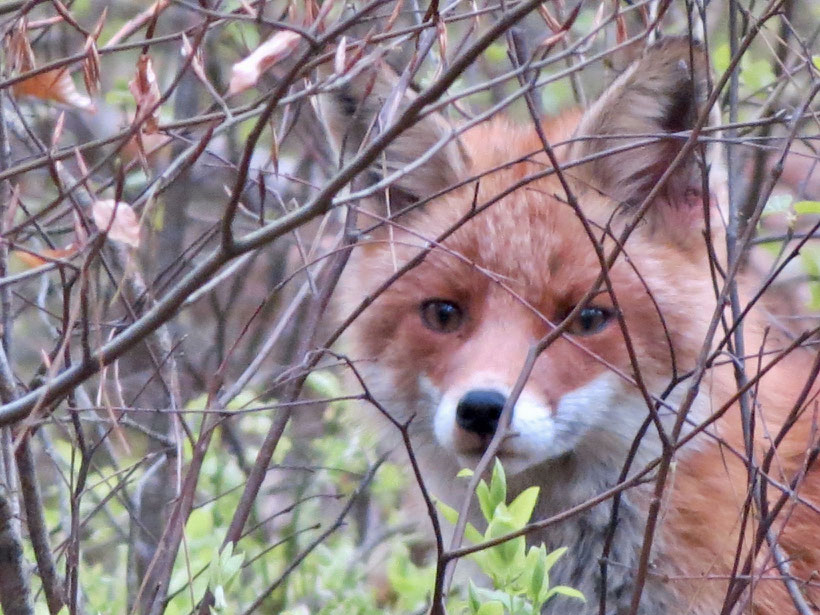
[{"x": 520, "y": 576}]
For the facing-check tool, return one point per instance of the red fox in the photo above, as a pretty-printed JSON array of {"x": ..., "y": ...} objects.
[{"x": 507, "y": 248}]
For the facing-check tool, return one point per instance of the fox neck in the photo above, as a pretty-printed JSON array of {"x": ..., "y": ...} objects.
[{"x": 568, "y": 482}]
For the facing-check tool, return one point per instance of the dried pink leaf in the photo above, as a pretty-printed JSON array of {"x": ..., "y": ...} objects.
[
  {"x": 18, "y": 48},
  {"x": 552, "y": 39},
  {"x": 311, "y": 11},
  {"x": 118, "y": 220},
  {"x": 145, "y": 90},
  {"x": 274, "y": 149},
  {"x": 620, "y": 29},
  {"x": 442, "y": 39},
  {"x": 33, "y": 259},
  {"x": 38, "y": 24},
  {"x": 91, "y": 64},
  {"x": 81, "y": 164},
  {"x": 196, "y": 60},
  {"x": 552, "y": 23},
  {"x": 246, "y": 73},
  {"x": 562, "y": 30},
  {"x": 339, "y": 58},
  {"x": 56, "y": 85},
  {"x": 91, "y": 68}
]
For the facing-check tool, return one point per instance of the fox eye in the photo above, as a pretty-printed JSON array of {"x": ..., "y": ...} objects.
[
  {"x": 441, "y": 315},
  {"x": 590, "y": 320}
]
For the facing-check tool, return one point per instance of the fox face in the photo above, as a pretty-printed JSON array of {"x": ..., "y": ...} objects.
[
  {"x": 447, "y": 341},
  {"x": 457, "y": 329},
  {"x": 568, "y": 311}
]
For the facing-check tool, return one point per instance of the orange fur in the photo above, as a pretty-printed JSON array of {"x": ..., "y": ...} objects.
[{"x": 518, "y": 267}]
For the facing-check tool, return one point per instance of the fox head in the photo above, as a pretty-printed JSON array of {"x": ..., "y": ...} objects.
[{"x": 490, "y": 253}]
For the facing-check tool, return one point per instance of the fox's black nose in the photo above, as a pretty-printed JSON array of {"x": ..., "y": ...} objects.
[{"x": 478, "y": 411}]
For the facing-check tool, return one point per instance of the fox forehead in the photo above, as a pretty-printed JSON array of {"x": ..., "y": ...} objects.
[
  {"x": 528, "y": 233},
  {"x": 530, "y": 239},
  {"x": 524, "y": 242}
]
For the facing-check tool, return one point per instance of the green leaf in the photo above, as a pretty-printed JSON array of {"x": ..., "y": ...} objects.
[
  {"x": 224, "y": 567},
  {"x": 495, "y": 53},
  {"x": 521, "y": 507},
  {"x": 809, "y": 256},
  {"x": 501, "y": 523},
  {"x": 491, "y": 608},
  {"x": 816, "y": 61},
  {"x": 465, "y": 473},
  {"x": 448, "y": 512},
  {"x": 412, "y": 584},
  {"x": 231, "y": 567},
  {"x": 539, "y": 571},
  {"x": 324, "y": 383},
  {"x": 472, "y": 534},
  {"x": 157, "y": 218},
  {"x": 777, "y": 204},
  {"x": 451, "y": 516},
  {"x": 569, "y": 592},
  {"x": 119, "y": 95},
  {"x": 219, "y": 598},
  {"x": 498, "y": 486},
  {"x": 472, "y": 597},
  {"x": 505, "y": 554},
  {"x": 482, "y": 492},
  {"x": 807, "y": 207},
  {"x": 553, "y": 557},
  {"x": 721, "y": 58},
  {"x": 213, "y": 571},
  {"x": 755, "y": 74}
]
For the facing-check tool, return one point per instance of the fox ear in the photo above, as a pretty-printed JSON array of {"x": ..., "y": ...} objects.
[
  {"x": 359, "y": 108},
  {"x": 660, "y": 94}
]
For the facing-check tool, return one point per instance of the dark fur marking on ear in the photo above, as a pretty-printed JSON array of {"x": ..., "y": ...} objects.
[
  {"x": 373, "y": 178},
  {"x": 680, "y": 109},
  {"x": 347, "y": 101}
]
